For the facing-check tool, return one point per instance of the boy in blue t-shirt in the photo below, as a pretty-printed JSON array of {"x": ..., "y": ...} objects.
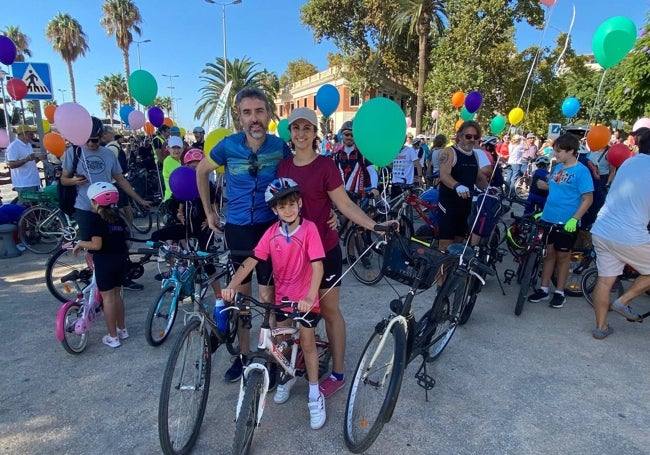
[{"x": 536, "y": 195}]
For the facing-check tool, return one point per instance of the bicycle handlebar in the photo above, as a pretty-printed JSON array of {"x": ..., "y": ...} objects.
[{"x": 241, "y": 299}]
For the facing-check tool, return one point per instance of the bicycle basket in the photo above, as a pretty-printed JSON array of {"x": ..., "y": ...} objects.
[{"x": 402, "y": 266}]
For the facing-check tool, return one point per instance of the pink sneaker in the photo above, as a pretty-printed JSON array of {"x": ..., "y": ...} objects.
[{"x": 330, "y": 386}]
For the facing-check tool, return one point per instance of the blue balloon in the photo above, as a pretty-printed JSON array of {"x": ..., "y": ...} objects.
[
  {"x": 327, "y": 99},
  {"x": 124, "y": 113},
  {"x": 570, "y": 107}
]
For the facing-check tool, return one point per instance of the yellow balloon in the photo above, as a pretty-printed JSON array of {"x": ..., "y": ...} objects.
[
  {"x": 221, "y": 169},
  {"x": 272, "y": 126},
  {"x": 214, "y": 137},
  {"x": 516, "y": 115},
  {"x": 46, "y": 126}
]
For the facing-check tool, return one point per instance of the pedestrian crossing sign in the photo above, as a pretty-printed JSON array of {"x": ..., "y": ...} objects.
[
  {"x": 554, "y": 130},
  {"x": 37, "y": 78}
]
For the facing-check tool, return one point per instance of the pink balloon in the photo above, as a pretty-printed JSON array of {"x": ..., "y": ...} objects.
[
  {"x": 73, "y": 122},
  {"x": 435, "y": 114},
  {"x": 136, "y": 120},
  {"x": 642, "y": 122},
  {"x": 408, "y": 122},
  {"x": 548, "y": 3},
  {"x": 4, "y": 139}
]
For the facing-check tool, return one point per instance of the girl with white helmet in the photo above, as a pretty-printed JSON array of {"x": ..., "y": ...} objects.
[{"x": 107, "y": 244}]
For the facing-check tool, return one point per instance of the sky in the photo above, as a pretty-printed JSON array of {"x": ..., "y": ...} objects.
[{"x": 186, "y": 35}]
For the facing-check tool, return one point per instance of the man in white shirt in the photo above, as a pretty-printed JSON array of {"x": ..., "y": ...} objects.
[
  {"x": 404, "y": 166},
  {"x": 22, "y": 160}
]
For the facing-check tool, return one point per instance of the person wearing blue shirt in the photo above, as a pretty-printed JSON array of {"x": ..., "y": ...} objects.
[
  {"x": 251, "y": 160},
  {"x": 570, "y": 196}
]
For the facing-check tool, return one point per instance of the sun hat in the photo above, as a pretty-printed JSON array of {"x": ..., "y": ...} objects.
[{"x": 303, "y": 113}]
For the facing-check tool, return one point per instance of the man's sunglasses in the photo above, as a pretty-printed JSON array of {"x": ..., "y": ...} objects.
[
  {"x": 253, "y": 165},
  {"x": 94, "y": 140},
  {"x": 469, "y": 137}
]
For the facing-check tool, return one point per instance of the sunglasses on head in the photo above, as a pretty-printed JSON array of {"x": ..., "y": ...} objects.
[
  {"x": 94, "y": 140},
  {"x": 469, "y": 137},
  {"x": 253, "y": 165}
]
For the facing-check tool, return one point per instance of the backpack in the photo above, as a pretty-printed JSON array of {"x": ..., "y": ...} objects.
[
  {"x": 67, "y": 195},
  {"x": 488, "y": 216}
]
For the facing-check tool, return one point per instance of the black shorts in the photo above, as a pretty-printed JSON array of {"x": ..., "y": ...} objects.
[
  {"x": 453, "y": 218},
  {"x": 332, "y": 268},
  {"x": 246, "y": 238},
  {"x": 561, "y": 239},
  {"x": 312, "y": 318},
  {"x": 110, "y": 270}
]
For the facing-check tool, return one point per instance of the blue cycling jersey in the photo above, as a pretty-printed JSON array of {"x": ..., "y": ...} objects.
[{"x": 247, "y": 176}]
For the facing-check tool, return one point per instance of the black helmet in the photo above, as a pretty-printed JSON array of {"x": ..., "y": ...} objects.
[
  {"x": 279, "y": 188},
  {"x": 346, "y": 125},
  {"x": 98, "y": 126}
]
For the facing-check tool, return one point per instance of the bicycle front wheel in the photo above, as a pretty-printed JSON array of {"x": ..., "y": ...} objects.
[
  {"x": 364, "y": 259},
  {"x": 161, "y": 316},
  {"x": 588, "y": 285},
  {"x": 142, "y": 218},
  {"x": 68, "y": 315},
  {"x": 522, "y": 188},
  {"x": 185, "y": 388},
  {"x": 375, "y": 388},
  {"x": 445, "y": 314},
  {"x": 526, "y": 279},
  {"x": 247, "y": 418},
  {"x": 66, "y": 274},
  {"x": 41, "y": 229}
]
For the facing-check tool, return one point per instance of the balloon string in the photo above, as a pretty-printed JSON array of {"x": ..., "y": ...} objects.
[
  {"x": 597, "y": 100},
  {"x": 556, "y": 67}
]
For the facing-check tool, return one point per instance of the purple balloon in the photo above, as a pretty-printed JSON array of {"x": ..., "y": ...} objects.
[
  {"x": 156, "y": 116},
  {"x": 7, "y": 50},
  {"x": 182, "y": 182},
  {"x": 473, "y": 101}
]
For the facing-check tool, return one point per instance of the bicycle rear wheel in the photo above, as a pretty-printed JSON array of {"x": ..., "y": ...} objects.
[
  {"x": 41, "y": 229},
  {"x": 66, "y": 274},
  {"x": 573, "y": 285},
  {"x": 365, "y": 261},
  {"x": 161, "y": 316},
  {"x": 142, "y": 218},
  {"x": 375, "y": 387},
  {"x": 522, "y": 188},
  {"x": 530, "y": 269},
  {"x": 67, "y": 316},
  {"x": 588, "y": 284},
  {"x": 247, "y": 418},
  {"x": 185, "y": 388}
]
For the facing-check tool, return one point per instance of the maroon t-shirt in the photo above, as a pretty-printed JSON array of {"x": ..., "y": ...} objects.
[{"x": 315, "y": 180}]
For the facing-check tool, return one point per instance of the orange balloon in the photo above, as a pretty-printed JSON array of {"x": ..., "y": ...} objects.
[
  {"x": 458, "y": 124},
  {"x": 55, "y": 144},
  {"x": 168, "y": 122},
  {"x": 149, "y": 128},
  {"x": 457, "y": 99},
  {"x": 49, "y": 112},
  {"x": 598, "y": 137}
]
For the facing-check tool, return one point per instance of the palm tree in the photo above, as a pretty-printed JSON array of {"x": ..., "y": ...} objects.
[
  {"x": 69, "y": 40},
  {"x": 421, "y": 18},
  {"x": 121, "y": 17},
  {"x": 113, "y": 91},
  {"x": 164, "y": 103},
  {"x": 241, "y": 73},
  {"x": 20, "y": 40}
]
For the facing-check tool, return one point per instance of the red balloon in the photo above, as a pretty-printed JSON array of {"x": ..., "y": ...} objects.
[
  {"x": 17, "y": 88},
  {"x": 618, "y": 153}
]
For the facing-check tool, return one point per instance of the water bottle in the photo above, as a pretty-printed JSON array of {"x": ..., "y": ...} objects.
[{"x": 221, "y": 319}]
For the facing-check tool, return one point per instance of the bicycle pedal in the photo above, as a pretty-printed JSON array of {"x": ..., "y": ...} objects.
[
  {"x": 508, "y": 275},
  {"x": 425, "y": 381}
]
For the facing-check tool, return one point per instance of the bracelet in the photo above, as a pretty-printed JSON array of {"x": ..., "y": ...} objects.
[{"x": 456, "y": 185}]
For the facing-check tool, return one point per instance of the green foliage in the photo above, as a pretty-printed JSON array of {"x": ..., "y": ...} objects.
[
  {"x": 20, "y": 40},
  {"x": 296, "y": 71},
  {"x": 113, "y": 90}
]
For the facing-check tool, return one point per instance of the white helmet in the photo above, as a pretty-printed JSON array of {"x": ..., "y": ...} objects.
[{"x": 103, "y": 193}]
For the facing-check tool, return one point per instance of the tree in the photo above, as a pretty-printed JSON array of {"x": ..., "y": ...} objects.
[
  {"x": 241, "y": 73},
  {"x": 69, "y": 40},
  {"x": 422, "y": 18},
  {"x": 20, "y": 40},
  {"x": 164, "y": 103},
  {"x": 296, "y": 71},
  {"x": 121, "y": 17},
  {"x": 113, "y": 90}
]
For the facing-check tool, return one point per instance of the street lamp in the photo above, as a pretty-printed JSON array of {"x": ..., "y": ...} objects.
[
  {"x": 3, "y": 76},
  {"x": 137, "y": 43},
  {"x": 62, "y": 95},
  {"x": 171, "y": 91},
  {"x": 223, "y": 24}
]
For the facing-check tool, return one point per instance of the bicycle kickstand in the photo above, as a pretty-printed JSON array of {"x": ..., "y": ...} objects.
[
  {"x": 496, "y": 273},
  {"x": 424, "y": 380}
]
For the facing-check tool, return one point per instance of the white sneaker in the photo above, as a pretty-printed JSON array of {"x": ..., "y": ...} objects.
[
  {"x": 317, "y": 414},
  {"x": 122, "y": 334},
  {"x": 283, "y": 391},
  {"x": 111, "y": 342}
]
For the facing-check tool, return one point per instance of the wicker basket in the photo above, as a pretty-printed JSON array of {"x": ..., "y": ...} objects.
[{"x": 402, "y": 259}]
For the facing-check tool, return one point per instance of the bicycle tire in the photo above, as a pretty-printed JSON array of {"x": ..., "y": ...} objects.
[
  {"x": 522, "y": 188},
  {"x": 41, "y": 229},
  {"x": 142, "y": 218},
  {"x": 526, "y": 278},
  {"x": 573, "y": 285},
  {"x": 164, "y": 312},
  {"x": 447, "y": 309},
  {"x": 178, "y": 433},
  {"x": 474, "y": 287},
  {"x": 62, "y": 263},
  {"x": 68, "y": 314},
  {"x": 247, "y": 418},
  {"x": 375, "y": 388},
  {"x": 588, "y": 285},
  {"x": 364, "y": 261}
]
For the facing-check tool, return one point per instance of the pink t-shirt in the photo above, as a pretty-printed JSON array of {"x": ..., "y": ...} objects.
[
  {"x": 291, "y": 258},
  {"x": 315, "y": 180}
]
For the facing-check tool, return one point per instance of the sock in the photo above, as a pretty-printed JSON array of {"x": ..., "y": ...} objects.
[
  {"x": 314, "y": 392},
  {"x": 337, "y": 376},
  {"x": 559, "y": 292},
  {"x": 544, "y": 288}
]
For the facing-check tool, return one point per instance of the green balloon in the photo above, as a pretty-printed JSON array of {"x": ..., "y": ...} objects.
[
  {"x": 283, "y": 130},
  {"x": 379, "y": 130},
  {"x": 497, "y": 124},
  {"x": 465, "y": 114},
  {"x": 612, "y": 40},
  {"x": 143, "y": 87}
]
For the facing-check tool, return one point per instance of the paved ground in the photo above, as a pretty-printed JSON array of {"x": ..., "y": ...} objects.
[{"x": 538, "y": 383}]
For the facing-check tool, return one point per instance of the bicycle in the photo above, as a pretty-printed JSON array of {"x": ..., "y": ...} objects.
[
  {"x": 399, "y": 339},
  {"x": 522, "y": 184}
]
